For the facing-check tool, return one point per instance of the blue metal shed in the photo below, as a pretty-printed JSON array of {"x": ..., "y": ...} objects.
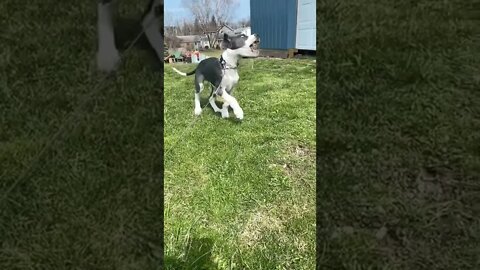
[{"x": 284, "y": 24}]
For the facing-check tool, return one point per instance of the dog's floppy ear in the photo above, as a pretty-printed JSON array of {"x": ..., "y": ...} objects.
[
  {"x": 225, "y": 42},
  {"x": 226, "y": 37}
]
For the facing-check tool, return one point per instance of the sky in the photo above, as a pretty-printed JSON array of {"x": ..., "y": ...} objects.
[{"x": 174, "y": 11}]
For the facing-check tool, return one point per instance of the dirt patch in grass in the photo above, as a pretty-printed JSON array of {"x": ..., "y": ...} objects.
[
  {"x": 297, "y": 161},
  {"x": 259, "y": 223},
  {"x": 272, "y": 218}
]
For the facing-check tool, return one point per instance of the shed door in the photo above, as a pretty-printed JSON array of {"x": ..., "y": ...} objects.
[{"x": 306, "y": 25}]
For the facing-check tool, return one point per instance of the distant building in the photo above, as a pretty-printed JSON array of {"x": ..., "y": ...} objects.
[
  {"x": 193, "y": 42},
  {"x": 198, "y": 42},
  {"x": 203, "y": 42},
  {"x": 190, "y": 42},
  {"x": 220, "y": 31}
]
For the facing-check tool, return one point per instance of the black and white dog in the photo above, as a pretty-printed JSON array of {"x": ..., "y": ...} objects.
[
  {"x": 107, "y": 54},
  {"x": 222, "y": 73}
]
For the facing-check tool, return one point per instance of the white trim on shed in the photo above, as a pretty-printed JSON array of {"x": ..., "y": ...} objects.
[{"x": 306, "y": 25}]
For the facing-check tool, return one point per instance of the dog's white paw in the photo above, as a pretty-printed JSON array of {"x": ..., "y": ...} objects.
[
  {"x": 198, "y": 111},
  {"x": 225, "y": 114},
  {"x": 108, "y": 61},
  {"x": 239, "y": 113}
]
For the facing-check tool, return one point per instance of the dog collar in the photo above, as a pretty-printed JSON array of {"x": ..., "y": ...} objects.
[{"x": 225, "y": 64}]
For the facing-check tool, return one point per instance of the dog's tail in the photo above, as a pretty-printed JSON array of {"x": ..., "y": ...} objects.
[{"x": 183, "y": 73}]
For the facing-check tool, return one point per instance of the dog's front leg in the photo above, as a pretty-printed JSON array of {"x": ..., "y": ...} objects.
[
  {"x": 225, "y": 104},
  {"x": 107, "y": 54},
  {"x": 213, "y": 104},
  {"x": 232, "y": 102},
  {"x": 225, "y": 109}
]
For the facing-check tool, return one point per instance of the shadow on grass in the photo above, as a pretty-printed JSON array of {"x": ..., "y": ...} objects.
[
  {"x": 126, "y": 30},
  {"x": 198, "y": 256}
]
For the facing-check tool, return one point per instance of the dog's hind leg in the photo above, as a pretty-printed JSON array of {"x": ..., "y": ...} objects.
[
  {"x": 107, "y": 53},
  {"x": 198, "y": 90},
  {"x": 151, "y": 23},
  {"x": 213, "y": 104}
]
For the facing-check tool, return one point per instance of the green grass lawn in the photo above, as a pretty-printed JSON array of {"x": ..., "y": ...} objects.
[
  {"x": 240, "y": 195},
  {"x": 398, "y": 135},
  {"x": 94, "y": 199}
]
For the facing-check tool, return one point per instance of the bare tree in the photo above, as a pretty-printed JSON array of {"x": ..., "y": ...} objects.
[
  {"x": 241, "y": 23},
  {"x": 196, "y": 27},
  {"x": 205, "y": 10},
  {"x": 244, "y": 22},
  {"x": 186, "y": 28}
]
